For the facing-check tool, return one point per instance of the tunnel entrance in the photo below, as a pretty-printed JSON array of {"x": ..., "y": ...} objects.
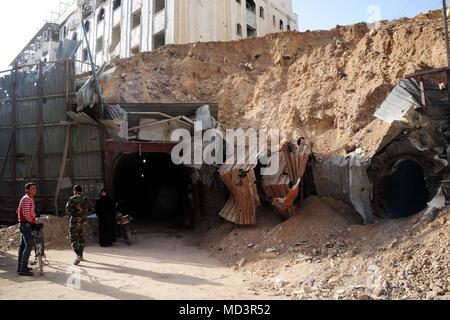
[
  {"x": 404, "y": 190},
  {"x": 151, "y": 188}
]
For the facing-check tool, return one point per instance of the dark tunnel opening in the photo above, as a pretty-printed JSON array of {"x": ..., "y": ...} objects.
[
  {"x": 154, "y": 190},
  {"x": 404, "y": 190}
]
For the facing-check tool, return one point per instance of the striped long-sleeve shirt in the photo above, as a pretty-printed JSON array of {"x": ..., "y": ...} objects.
[{"x": 26, "y": 210}]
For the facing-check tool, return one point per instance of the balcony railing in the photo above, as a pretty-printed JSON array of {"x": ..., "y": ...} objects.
[
  {"x": 159, "y": 22},
  {"x": 136, "y": 36},
  {"x": 251, "y": 19}
]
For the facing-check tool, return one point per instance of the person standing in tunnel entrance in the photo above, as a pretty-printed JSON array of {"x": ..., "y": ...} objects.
[
  {"x": 105, "y": 210},
  {"x": 78, "y": 208}
]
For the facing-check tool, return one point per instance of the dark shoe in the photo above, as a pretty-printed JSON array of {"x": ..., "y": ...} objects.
[
  {"x": 28, "y": 269},
  {"x": 78, "y": 260},
  {"x": 25, "y": 274}
]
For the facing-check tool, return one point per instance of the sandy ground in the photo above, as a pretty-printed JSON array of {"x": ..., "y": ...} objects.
[{"x": 161, "y": 265}]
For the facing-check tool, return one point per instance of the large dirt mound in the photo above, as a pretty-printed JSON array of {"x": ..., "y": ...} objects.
[
  {"x": 324, "y": 253},
  {"x": 324, "y": 85}
]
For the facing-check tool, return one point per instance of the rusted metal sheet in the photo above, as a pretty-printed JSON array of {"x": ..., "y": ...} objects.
[
  {"x": 240, "y": 181},
  {"x": 294, "y": 159},
  {"x": 241, "y": 207}
]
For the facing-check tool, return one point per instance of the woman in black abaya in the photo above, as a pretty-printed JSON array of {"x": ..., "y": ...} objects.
[{"x": 105, "y": 211}]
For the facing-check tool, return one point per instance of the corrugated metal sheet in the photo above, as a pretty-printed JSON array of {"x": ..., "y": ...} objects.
[
  {"x": 51, "y": 166},
  {"x": 54, "y": 110},
  {"x": 87, "y": 160},
  {"x": 27, "y": 113},
  {"x": 5, "y": 114},
  {"x": 53, "y": 139},
  {"x": 403, "y": 98},
  {"x": 87, "y": 165},
  {"x": 26, "y": 140},
  {"x": 5, "y": 135},
  {"x": 85, "y": 139}
]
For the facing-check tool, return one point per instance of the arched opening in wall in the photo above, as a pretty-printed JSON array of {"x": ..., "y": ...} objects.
[
  {"x": 117, "y": 4},
  {"x": 251, "y": 5},
  {"x": 403, "y": 191},
  {"x": 152, "y": 189},
  {"x": 239, "y": 29},
  {"x": 261, "y": 13}
]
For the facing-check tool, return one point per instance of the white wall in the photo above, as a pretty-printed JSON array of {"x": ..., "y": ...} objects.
[{"x": 184, "y": 21}]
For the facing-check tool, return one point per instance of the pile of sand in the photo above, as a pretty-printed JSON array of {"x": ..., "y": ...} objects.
[
  {"x": 324, "y": 253},
  {"x": 324, "y": 85},
  {"x": 56, "y": 231}
]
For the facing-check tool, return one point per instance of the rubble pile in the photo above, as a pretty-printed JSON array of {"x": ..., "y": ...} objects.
[
  {"x": 323, "y": 85},
  {"x": 56, "y": 231},
  {"x": 323, "y": 253}
]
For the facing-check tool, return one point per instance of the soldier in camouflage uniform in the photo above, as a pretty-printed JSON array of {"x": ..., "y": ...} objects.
[{"x": 78, "y": 209}]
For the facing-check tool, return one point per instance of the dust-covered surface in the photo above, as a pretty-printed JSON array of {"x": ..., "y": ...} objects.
[
  {"x": 323, "y": 85},
  {"x": 159, "y": 265},
  {"x": 325, "y": 253}
]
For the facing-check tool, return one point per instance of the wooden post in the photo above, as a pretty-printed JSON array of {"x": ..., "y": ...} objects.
[
  {"x": 14, "y": 133},
  {"x": 41, "y": 119},
  {"x": 63, "y": 167},
  {"x": 447, "y": 44}
]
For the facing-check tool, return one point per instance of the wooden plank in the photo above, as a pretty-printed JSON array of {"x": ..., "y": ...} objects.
[{"x": 63, "y": 167}]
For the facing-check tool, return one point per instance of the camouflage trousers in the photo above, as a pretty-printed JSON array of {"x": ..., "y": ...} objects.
[{"x": 77, "y": 235}]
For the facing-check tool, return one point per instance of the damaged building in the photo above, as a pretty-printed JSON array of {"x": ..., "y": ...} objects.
[{"x": 123, "y": 28}]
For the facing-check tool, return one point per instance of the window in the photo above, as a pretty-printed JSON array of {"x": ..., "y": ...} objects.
[
  {"x": 261, "y": 12},
  {"x": 238, "y": 1},
  {"x": 239, "y": 29},
  {"x": 75, "y": 36},
  {"x": 281, "y": 25},
  {"x": 159, "y": 5},
  {"x": 159, "y": 40},
  {"x": 99, "y": 45},
  {"x": 85, "y": 55},
  {"x": 101, "y": 15},
  {"x": 251, "y": 32},
  {"x": 288, "y": 27},
  {"x": 115, "y": 38},
  {"x": 274, "y": 20},
  {"x": 136, "y": 19},
  {"x": 251, "y": 6},
  {"x": 117, "y": 4}
]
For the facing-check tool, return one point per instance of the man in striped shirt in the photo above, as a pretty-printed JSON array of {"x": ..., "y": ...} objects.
[{"x": 27, "y": 218}]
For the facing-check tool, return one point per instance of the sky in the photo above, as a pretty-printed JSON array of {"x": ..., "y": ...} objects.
[{"x": 21, "y": 19}]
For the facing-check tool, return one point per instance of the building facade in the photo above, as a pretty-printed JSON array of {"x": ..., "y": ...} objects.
[
  {"x": 42, "y": 47},
  {"x": 123, "y": 28}
]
